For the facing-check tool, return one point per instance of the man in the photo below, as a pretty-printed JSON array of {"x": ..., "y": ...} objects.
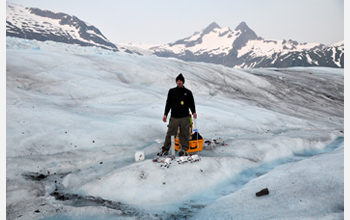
[{"x": 179, "y": 101}]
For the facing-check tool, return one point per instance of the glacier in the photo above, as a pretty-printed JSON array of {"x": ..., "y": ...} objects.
[{"x": 75, "y": 116}]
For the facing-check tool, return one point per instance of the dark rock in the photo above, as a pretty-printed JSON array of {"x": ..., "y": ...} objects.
[{"x": 262, "y": 192}]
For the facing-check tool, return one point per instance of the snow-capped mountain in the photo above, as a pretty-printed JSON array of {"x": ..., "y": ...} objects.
[
  {"x": 239, "y": 48},
  {"x": 42, "y": 25},
  {"x": 243, "y": 48}
]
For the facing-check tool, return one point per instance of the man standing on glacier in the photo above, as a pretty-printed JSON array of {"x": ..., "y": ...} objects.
[{"x": 180, "y": 100}]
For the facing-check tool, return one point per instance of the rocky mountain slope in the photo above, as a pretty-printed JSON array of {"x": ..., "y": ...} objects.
[
  {"x": 42, "y": 25},
  {"x": 242, "y": 48}
]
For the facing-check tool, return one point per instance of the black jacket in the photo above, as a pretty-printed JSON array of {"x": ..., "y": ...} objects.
[{"x": 179, "y": 100}]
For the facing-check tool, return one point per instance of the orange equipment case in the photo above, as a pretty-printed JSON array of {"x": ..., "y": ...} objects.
[{"x": 196, "y": 140}]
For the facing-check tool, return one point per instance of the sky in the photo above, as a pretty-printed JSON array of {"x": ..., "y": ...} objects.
[{"x": 165, "y": 21}]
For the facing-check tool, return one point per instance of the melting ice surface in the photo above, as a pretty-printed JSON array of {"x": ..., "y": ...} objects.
[{"x": 77, "y": 115}]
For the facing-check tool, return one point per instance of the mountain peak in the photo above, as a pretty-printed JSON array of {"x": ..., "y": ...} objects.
[
  {"x": 246, "y": 35},
  {"x": 242, "y": 26},
  {"x": 211, "y": 27}
]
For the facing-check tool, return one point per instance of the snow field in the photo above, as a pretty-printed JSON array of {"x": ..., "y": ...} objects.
[{"x": 77, "y": 116}]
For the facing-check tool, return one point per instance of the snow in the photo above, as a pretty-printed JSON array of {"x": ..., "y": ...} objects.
[
  {"x": 209, "y": 42},
  {"x": 22, "y": 18},
  {"x": 339, "y": 43},
  {"x": 76, "y": 116},
  {"x": 138, "y": 48},
  {"x": 219, "y": 42},
  {"x": 12, "y": 12},
  {"x": 295, "y": 189},
  {"x": 336, "y": 59},
  {"x": 270, "y": 47}
]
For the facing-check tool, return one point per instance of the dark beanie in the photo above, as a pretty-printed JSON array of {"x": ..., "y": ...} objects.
[{"x": 180, "y": 77}]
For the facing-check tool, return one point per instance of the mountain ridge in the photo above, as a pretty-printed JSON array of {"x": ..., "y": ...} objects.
[
  {"x": 42, "y": 25},
  {"x": 243, "y": 48},
  {"x": 238, "y": 48}
]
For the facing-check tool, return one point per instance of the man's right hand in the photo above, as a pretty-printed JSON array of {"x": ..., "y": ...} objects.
[{"x": 164, "y": 118}]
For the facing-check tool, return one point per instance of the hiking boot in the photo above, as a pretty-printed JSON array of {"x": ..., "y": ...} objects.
[
  {"x": 163, "y": 152},
  {"x": 183, "y": 153}
]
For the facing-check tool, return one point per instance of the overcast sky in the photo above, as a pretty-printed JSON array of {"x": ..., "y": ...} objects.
[{"x": 164, "y": 21}]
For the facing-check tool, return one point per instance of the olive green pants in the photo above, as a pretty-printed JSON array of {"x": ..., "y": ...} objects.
[{"x": 174, "y": 124}]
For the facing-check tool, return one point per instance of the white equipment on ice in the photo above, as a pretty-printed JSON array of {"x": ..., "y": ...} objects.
[
  {"x": 195, "y": 125},
  {"x": 182, "y": 159},
  {"x": 195, "y": 158},
  {"x": 139, "y": 156},
  {"x": 185, "y": 159},
  {"x": 167, "y": 162}
]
